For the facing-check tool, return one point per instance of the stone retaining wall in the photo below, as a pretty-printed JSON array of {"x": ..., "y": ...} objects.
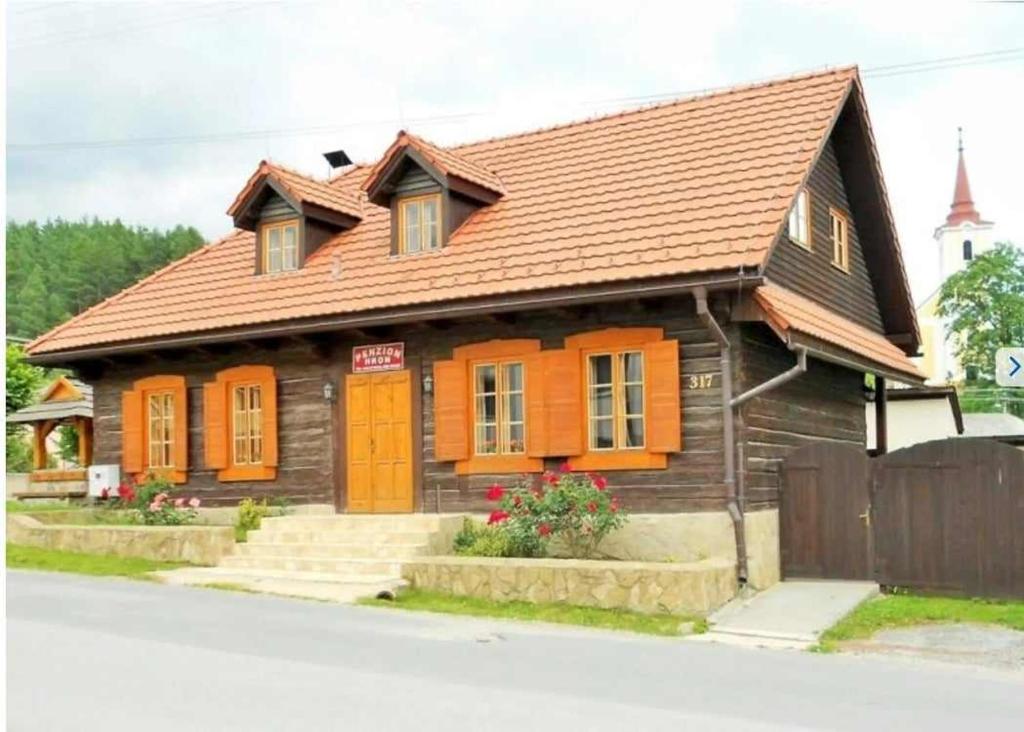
[
  {"x": 195, "y": 544},
  {"x": 648, "y": 587}
]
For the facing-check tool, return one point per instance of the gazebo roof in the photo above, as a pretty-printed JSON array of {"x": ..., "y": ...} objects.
[{"x": 64, "y": 398}]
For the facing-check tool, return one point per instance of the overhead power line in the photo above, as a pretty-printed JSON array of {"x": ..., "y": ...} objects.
[{"x": 875, "y": 72}]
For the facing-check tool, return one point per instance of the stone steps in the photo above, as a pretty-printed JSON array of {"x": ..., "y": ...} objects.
[
  {"x": 341, "y": 536},
  {"x": 330, "y": 565},
  {"x": 310, "y": 585},
  {"x": 327, "y": 557},
  {"x": 341, "y": 550}
]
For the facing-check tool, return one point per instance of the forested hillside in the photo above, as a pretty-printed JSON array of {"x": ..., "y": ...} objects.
[{"x": 57, "y": 269}]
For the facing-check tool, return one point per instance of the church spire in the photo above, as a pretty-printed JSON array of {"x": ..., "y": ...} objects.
[{"x": 962, "y": 208}]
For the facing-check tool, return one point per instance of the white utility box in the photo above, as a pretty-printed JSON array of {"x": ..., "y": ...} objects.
[{"x": 104, "y": 477}]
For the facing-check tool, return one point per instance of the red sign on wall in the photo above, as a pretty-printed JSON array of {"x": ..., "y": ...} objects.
[{"x": 385, "y": 357}]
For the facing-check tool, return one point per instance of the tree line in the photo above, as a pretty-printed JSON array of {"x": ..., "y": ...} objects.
[{"x": 59, "y": 268}]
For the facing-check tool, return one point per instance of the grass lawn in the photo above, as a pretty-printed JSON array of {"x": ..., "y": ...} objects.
[
  {"x": 54, "y": 560},
  {"x": 898, "y": 611},
  {"x": 548, "y": 612},
  {"x": 38, "y": 506}
]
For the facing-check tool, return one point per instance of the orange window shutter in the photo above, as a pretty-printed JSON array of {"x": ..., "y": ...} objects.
[
  {"x": 181, "y": 427},
  {"x": 451, "y": 410},
  {"x": 536, "y": 414},
  {"x": 664, "y": 416},
  {"x": 132, "y": 447},
  {"x": 215, "y": 425},
  {"x": 268, "y": 385},
  {"x": 563, "y": 388}
]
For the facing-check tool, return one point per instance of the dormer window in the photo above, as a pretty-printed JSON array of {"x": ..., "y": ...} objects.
[
  {"x": 419, "y": 226},
  {"x": 280, "y": 246}
]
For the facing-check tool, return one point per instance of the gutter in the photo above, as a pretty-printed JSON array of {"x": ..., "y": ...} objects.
[{"x": 729, "y": 403}]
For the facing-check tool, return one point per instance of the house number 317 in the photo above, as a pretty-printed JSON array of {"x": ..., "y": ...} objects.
[{"x": 700, "y": 381}]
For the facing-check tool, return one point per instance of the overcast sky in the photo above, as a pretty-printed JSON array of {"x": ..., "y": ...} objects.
[{"x": 105, "y": 100}]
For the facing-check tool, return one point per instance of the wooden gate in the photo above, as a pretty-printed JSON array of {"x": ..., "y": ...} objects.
[
  {"x": 948, "y": 516},
  {"x": 945, "y": 516},
  {"x": 823, "y": 512}
]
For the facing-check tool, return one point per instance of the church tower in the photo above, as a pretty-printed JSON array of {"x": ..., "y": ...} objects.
[{"x": 964, "y": 236}]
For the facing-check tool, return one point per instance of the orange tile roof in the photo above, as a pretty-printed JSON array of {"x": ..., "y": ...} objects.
[
  {"x": 788, "y": 311},
  {"x": 303, "y": 189},
  {"x": 446, "y": 161},
  {"x": 697, "y": 185}
]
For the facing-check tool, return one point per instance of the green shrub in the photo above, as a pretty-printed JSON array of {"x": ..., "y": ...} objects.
[
  {"x": 476, "y": 540},
  {"x": 250, "y": 515}
]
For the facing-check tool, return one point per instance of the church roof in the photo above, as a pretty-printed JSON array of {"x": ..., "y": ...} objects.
[{"x": 962, "y": 208}]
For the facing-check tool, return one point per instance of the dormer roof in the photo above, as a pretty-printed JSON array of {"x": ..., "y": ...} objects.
[
  {"x": 307, "y": 195},
  {"x": 445, "y": 166}
]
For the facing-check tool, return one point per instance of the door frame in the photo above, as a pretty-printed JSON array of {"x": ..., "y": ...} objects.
[{"x": 340, "y": 437}]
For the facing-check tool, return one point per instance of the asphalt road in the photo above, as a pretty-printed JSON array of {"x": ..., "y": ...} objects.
[{"x": 110, "y": 655}]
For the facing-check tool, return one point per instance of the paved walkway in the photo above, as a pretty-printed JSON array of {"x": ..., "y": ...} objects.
[{"x": 792, "y": 614}]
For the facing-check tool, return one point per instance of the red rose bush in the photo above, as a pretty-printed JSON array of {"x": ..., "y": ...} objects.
[{"x": 575, "y": 509}]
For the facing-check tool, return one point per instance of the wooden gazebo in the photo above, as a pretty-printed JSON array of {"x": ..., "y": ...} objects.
[{"x": 65, "y": 401}]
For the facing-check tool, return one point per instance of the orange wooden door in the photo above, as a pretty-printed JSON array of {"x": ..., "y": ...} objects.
[{"x": 379, "y": 442}]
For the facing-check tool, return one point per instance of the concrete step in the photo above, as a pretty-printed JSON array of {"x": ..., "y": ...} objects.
[
  {"x": 330, "y": 565},
  {"x": 346, "y": 550},
  {"x": 342, "y": 536},
  {"x": 311, "y": 585},
  {"x": 364, "y": 522}
]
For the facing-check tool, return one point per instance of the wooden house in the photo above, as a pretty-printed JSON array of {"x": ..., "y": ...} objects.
[{"x": 675, "y": 296}]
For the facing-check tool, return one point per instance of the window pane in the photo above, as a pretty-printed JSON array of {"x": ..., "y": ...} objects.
[
  {"x": 632, "y": 368},
  {"x": 485, "y": 380},
  {"x": 274, "y": 250},
  {"x": 513, "y": 376},
  {"x": 600, "y": 370},
  {"x": 291, "y": 248},
  {"x": 514, "y": 407},
  {"x": 486, "y": 439},
  {"x": 634, "y": 401},
  {"x": 601, "y": 434},
  {"x": 411, "y": 218},
  {"x": 634, "y": 432},
  {"x": 517, "y": 439},
  {"x": 431, "y": 224},
  {"x": 601, "y": 401}
]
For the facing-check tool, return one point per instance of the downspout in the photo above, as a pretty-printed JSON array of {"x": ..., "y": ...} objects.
[{"x": 734, "y": 500}]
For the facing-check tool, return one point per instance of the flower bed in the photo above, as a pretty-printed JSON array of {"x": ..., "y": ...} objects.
[
  {"x": 574, "y": 509},
  {"x": 648, "y": 587}
]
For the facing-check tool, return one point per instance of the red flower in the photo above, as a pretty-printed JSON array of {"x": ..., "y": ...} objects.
[
  {"x": 126, "y": 493},
  {"x": 565, "y": 467},
  {"x": 105, "y": 493},
  {"x": 614, "y": 505},
  {"x": 551, "y": 478},
  {"x": 544, "y": 529},
  {"x": 592, "y": 507},
  {"x": 495, "y": 492},
  {"x": 599, "y": 481},
  {"x": 497, "y": 517}
]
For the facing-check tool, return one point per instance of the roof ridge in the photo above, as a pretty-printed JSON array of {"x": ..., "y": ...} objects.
[
  {"x": 688, "y": 97},
  {"x": 131, "y": 288}
]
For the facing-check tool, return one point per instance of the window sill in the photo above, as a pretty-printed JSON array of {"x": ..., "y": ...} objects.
[
  {"x": 495, "y": 464},
  {"x": 620, "y": 460},
  {"x": 796, "y": 242},
  {"x": 841, "y": 268},
  {"x": 247, "y": 472},
  {"x": 175, "y": 476}
]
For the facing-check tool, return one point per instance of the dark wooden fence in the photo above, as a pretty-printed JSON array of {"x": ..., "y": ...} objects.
[{"x": 945, "y": 516}]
